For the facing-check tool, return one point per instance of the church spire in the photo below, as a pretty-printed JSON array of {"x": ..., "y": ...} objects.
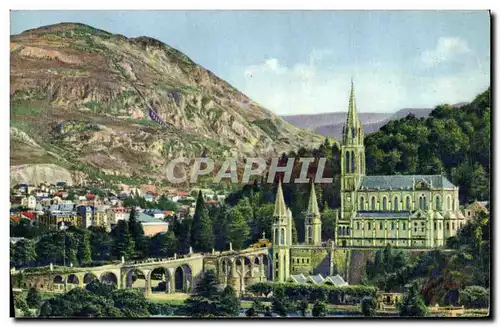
[
  {"x": 352, "y": 113},
  {"x": 313, "y": 202},
  {"x": 279, "y": 204},
  {"x": 352, "y": 124}
]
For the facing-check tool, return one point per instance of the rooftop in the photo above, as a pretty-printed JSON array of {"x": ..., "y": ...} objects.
[{"x": 404, "y": 182}]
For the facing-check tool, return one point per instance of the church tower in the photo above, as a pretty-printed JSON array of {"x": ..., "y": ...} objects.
[
  {"x": 352, "y": 163},
  {"x": 313, "y": 220},
  {"x": 282, "y": 238}
]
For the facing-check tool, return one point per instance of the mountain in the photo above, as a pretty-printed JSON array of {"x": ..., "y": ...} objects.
[
  {"x": 98, "y": 103},
  {"x": 372, "y": 122}
]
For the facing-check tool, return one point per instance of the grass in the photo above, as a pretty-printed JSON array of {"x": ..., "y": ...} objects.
[{"x": 268, "y": 127}]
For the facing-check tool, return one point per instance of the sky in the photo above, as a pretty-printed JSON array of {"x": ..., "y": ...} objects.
[{"x": 301, "y": 62}]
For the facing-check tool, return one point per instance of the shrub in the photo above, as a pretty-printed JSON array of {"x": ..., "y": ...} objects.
[
  {"x": 475, "y": 297},
  {"x": 368, "y": 306}
]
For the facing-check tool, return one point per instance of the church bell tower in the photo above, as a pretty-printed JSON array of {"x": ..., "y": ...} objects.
[
  {"x": 352, "y": 158},
  {"x": 313, "y": 220},
  {"x": 282, "y": 238}
]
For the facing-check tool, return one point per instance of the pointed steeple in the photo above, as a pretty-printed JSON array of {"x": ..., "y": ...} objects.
[
  {"x": 279, "y": 204},
  {"x": 313, "y": 202},
  {"x": 352, "y": 113}
]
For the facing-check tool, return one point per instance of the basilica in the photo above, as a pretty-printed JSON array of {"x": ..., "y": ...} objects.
[
  {"x": 417, "y": 211},
  {"x": 405, "y": 211}
]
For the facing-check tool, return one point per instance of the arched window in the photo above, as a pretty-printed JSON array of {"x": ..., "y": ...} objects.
[
  {"x": 448, "y": 226},
  {"x": 357, "y": 225},
  {"x": 369, "y": 226},
  {"x": 404, "y": 225},
  {"x": 408, "y": 203},
  {"x": 448, "y": 202},
  {"x": 347, "y": 161},
  {"x": 384, "y": 203},
  {"x": 396, "y": 204},
  {"x": 353, "y": 161},
  {"x": 353, "y": 132},
  {"x": 340, "y": 231},
  {"x": 348, "y": 230},
  {"x": 362, "y": 203},
  {"x": 422, "y": 202},
  {"x": 438, "y": 202},
  {"x": 373, "y": 203},
  {"x": 282, "y": 236},
  {"x": 276, "y": 238}
]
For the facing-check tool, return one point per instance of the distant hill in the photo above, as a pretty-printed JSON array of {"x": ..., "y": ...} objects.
[{"x": 330, "y": 124}]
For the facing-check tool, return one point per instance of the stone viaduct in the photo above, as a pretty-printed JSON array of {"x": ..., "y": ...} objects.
[{"x": 163, "y": 275}]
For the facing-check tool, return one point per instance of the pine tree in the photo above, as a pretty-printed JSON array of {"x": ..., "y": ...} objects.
[
  {"x": 33, "y": 298},
  {"x": 124, "y": 243},
  {"x": 202, "y": 237},
  {"x": 229, "y": 303},
  {"x": 204, "y": 300}
]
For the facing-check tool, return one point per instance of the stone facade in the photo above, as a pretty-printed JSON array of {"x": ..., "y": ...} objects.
[{"x": 417, "y": 211}]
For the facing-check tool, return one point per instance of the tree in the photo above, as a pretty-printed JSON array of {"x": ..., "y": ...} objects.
[
  {"x": 202, "y": 238},
  {"x": 204, "y": 300},
  {"x": 123, "y": 241},
  {"x": 101, "y": 243},
  {"x": 20, "y": 304},
  {"x": 368, "y": 306},
  {"x": 131, "y": 302},
  {"x": 319, "y": 309},
  {"x": 98, "y": 288},
  {"x": 303, "y": 307},
  {"x": 33, "y": 298},
  {"x": 413, "y": 305},
  {"x": 79, "y": 302},
  {"x": 141, "y": 244},
  {"x": 24, "y": 253},
  {"x": 229, "y": 303},
  {"x": 279, "y": 303},
  {"x": 163, "y": 245},
  {"x": 475, "y": 297},
  {"x": 238, "y": 230}
]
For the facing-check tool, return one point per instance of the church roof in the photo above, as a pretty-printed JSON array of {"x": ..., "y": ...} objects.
[
  {"x": 382, "y": 214},
  {"x": 316, "y": 279},
  {"x": 403, "y": 182},
  {"x": 299, "y": 278},
  {"x": 336, "y": 280}
]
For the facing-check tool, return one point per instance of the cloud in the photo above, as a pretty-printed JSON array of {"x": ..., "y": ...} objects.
[
  {"x": 317, "y": 84},
  {"x": 447, "y": 49}
]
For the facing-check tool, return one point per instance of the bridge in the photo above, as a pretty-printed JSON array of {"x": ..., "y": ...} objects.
[{"x": 158, "y": 275}]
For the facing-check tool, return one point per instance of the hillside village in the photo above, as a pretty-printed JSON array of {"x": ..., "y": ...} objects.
[{"x": 61, "y": 205}]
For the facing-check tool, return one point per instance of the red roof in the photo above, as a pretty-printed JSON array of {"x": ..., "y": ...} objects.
[
  {"x": 28, "y": 215},
  {"x": 211, "y": 202},
  {"x": 182, "y": 193},
  {"x": 90, "y": 196}
]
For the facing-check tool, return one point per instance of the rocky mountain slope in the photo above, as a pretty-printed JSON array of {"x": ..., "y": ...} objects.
[
  {"x": 81, "y": 98},
  {"x": 372, "y": 122}
]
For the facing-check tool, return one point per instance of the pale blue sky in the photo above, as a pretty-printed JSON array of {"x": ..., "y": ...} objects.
[{"x": 301, "y": 61}]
